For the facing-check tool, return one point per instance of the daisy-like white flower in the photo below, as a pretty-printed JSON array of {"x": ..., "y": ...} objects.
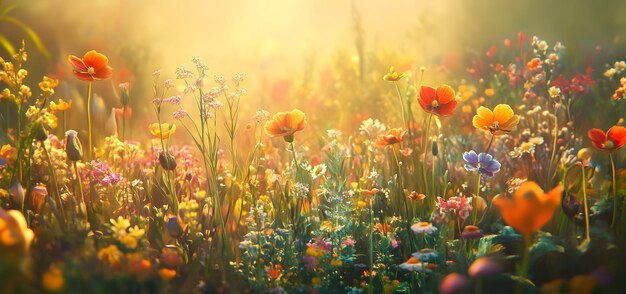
[{"x": 423, "y": 228}]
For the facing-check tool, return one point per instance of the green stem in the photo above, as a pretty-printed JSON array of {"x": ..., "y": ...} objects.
[
  {"x": 523, "y": 269},
  {"x": 586, "y": 207},
  {"x": 614, "y": 221},
  {"x": 53, "y": 177},
  {"x": 490, "y": 143},
  {"x": 371, "y": 253},
  {"x": 90, "y": 151},
  {"x": 401, "y": 104},
  {"x": 80, "y": 191},
  {"x": 475, "y": 201}
]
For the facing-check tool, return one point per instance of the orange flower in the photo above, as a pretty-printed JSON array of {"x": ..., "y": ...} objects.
[
  {"x": 499, "y": 121},
  {"x": 530, "y": 208},
  {"x": 15, "y": 236},
  {"x": 285, "y": 124},
  {"x": 92, "y": 67},
  {"x": 392, "y": 136},
  {"x": 613, "y": 140},
  {"x": 167, "y": 274},
  {"x": 440, "y": 101}
]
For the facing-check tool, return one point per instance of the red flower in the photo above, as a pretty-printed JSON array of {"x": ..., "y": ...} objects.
[
  {"x": 440, "y": 101},
  {"x": 92, "y": 67},
  {"x": 614, "y": 139}
]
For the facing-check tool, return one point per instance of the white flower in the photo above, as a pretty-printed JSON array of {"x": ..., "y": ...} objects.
[{"x": 423, "y": 228}]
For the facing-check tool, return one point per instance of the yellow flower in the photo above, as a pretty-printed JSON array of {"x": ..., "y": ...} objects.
[
  {"x": 111, "y": 255},
  {"x": 490, "y": 92},
  {"x": 162, "y": 131},
  {"x": 53, "y": 280},
  {"x": 336, "y": 262},
  {"x": 48, "y": 84},
  {"x": 499, "y": 121},
  {"x": 326, "y": 226},
  {"x": 393, "y": 75},
  {"x": 61, "y": 105},
  {"x": 316, "y": 281},
  {"x": 129, "y": 241}
]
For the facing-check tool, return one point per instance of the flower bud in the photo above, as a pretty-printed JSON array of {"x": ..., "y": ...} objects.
[
  {"x": 73, "y": 148},
  {"x": 175, "y": 227},
  {"x": 38, "y": 196},
  {"x": 584, "y": 154},
  {"x": 434, "y": 149},
  {"x": 167, "y": 161}
]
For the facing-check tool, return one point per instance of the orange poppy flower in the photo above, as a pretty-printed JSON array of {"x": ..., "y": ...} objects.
[
  {"x": 499, "y": 121},
  {"x": 92, "y": 67},
  {"x": 614, "y": 139},
  {"x": 440, "y": 101},
  {"x": 392, "y": 136},
  {"x": 530, "y": 208},
  {"x": 285, "y": 124}
]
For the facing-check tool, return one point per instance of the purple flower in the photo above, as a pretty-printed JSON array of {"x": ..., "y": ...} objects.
[{"x": 484, "y": 163}]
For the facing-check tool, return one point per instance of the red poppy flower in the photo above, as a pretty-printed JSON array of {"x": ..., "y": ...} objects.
[
  {"x": 92, "y": 67},
  {"x": 614, "y": 139},
  {"x": 440, "y": 101}
]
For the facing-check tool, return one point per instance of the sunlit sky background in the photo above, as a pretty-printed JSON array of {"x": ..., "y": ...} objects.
[{"x": 272, "y": 40}]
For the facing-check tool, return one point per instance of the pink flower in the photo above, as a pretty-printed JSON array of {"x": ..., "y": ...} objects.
[
  {"x": 349, "y": 242},
  {"x": 459, "y": 206}
]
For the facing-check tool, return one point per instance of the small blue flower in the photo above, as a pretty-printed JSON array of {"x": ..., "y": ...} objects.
[{"x": 484, "y": 163}]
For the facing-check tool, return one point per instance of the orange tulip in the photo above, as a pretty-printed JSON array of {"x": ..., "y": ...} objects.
[
  {"x": 392, "y": 136},
  {"x": 530, "y": 208},
  {"x": 440, "y": 101},
  {"x": 92, "y": 67},
  {"x": 499, "y": 121},
  {"x": 285, "y": 124}
]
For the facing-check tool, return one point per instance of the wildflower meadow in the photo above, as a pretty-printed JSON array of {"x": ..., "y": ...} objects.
[{"x": 490, "y": 166}]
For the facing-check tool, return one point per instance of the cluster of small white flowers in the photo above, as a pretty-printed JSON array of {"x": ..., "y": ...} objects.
[
  {"x": 372, "y": 128},
  {"x": 200, "y": 65},
  {"x": 334, "y": 134},
  {"x": 215, "y": 104},
  {"x": 168, "y": 83},
  {"x": 237, "y": 79},
  {"x": 220, "y": 79},
  {"x": 261, "y": 116},
  {"x": 300, "y": 190},
  {"x": 182, "y": 72}
]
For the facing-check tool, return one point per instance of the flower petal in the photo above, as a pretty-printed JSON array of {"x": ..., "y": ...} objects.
[
  {"x": 95, "y": 60},
  {"x": 445, "y": 94},
  {"x": 617, "y": 134},
  {"x": 446, "y": 109},
  {"x": 77, "y": 63},
  {"x": 502, "y": 113},
  {"x": 427, "y": 95}
]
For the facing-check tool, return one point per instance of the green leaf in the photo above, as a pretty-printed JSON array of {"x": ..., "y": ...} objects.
[
  {"x": 7, "y": 9},
  {"x": 31, "y": 34},
  {"x": 546, "y": 243},
  {"x": 6, "y": 44}
]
